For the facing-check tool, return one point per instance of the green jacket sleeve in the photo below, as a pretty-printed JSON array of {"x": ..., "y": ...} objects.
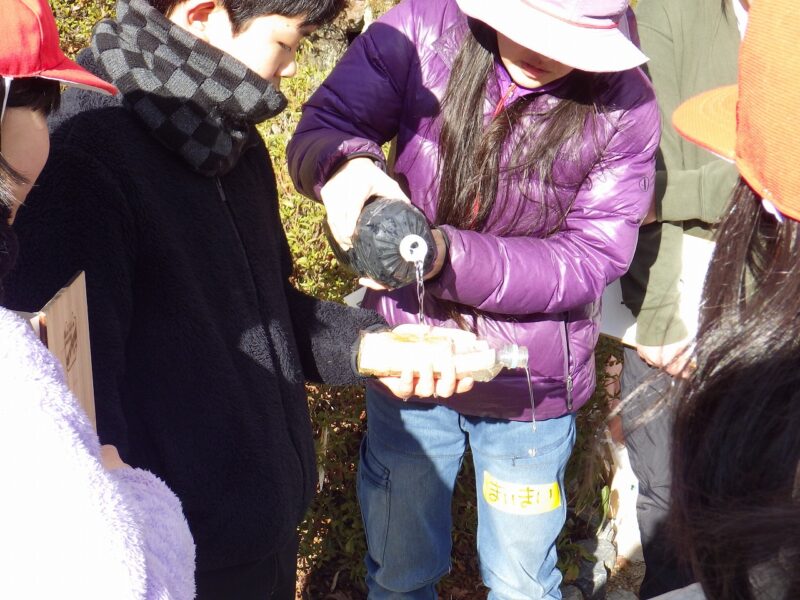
[
  {"x": 682, "y": 192},
  {"x": 685, "y": 195},
  {"x": 650, "y": 288}
]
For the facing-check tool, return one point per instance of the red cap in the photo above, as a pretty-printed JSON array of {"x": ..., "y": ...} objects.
[
  {"x": 755, "y": 122},
  {"x": 29, "y": 47}
]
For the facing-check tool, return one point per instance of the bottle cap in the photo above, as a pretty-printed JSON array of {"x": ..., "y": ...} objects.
[
  {"x": 513, "y": 356},
  {"x": 413, "y": 248}
]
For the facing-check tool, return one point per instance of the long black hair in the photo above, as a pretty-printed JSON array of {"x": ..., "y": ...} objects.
[
  {"x": 736, "y": 453},
  {"x": 476, "y": 158}
]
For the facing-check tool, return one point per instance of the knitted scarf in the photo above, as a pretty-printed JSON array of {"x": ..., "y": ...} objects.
[{"x": 195, "y": 99}]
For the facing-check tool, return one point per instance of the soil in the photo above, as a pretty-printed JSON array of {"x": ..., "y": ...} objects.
[
  {"x": 463, "y": 585},
  {"x": 626, "y": 575}
]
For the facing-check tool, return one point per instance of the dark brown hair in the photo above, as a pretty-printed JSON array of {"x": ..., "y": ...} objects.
[
  {"x": 317, "y": 12},
  {"x": 736, "y": 451}
]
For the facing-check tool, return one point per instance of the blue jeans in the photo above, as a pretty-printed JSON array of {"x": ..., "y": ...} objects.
[{"x": 410, "y": 457}]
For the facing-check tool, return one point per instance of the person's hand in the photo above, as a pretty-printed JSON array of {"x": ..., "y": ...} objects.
[
  {"x": 367, "y": 282},
  {"x": 425, "y": 385},
  {"x": 673, "y": 358},
  {"x": 348, "y": 189},
  {"x": 109, "y": 458},
  {"x": 651, "y": 216},
  {"x": 441, "y": 253}
]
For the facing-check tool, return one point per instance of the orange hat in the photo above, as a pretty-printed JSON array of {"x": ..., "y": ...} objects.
[{"x": 757, "y": 123}]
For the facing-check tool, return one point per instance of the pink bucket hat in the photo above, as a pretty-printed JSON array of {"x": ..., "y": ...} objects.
[{"x": 583, "y": 34}]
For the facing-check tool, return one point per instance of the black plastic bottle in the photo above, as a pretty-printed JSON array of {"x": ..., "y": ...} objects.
[{"x": 391, "y": 236}]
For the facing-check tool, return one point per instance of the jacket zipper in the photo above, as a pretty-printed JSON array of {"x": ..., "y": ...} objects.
[
  {"x": 229, "y": 211},
  {"x": 567, "y": 374},
  {"x": 232, "y": 221}
]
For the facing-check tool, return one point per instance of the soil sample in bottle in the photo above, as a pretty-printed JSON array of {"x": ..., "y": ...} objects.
[{"x": 386, "y": 353}]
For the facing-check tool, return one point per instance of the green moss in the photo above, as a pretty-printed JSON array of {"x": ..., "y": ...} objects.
[{"x": 76, "y": 18}]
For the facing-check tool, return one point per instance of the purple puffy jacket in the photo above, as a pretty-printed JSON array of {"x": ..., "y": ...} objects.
[{"x": 540, "y": 292}]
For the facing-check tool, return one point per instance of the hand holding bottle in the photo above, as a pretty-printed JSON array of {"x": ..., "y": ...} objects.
[
  {"x": 423, "y": 383},
  {"x": 348, "y": 189},
  {"x": 447, "y": 352}
]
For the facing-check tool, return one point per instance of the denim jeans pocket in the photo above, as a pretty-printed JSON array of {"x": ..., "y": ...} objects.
[{"x": 374, "y": 498}]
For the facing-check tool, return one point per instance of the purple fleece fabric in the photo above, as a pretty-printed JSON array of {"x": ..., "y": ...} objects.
[{"x": 68, "y": 527}]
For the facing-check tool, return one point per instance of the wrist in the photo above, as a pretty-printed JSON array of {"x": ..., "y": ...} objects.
[{"x": 442, "y": 252}]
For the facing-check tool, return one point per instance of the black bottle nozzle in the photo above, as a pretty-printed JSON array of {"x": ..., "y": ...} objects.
[{"x": 391, "y": 237}]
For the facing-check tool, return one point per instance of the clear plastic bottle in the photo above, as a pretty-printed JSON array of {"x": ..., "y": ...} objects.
[
  {"x": 387, "y": 353},
  {"x": 510, "y": 356}
]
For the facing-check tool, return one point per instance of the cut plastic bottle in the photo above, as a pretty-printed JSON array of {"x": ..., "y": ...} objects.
[{"x": 388, "y": 353}]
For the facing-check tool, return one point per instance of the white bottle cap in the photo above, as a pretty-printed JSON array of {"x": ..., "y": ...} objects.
[{"x": 413, "y": 248}]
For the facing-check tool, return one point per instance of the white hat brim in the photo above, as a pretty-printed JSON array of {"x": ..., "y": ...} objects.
[{"x": 597, "y": 50}]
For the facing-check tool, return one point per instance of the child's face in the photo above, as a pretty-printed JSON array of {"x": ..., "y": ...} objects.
[
  {"x": 267, "y": 45},
  {"x": 25, "y": 144},
  {"x": 527, "y": 68}
]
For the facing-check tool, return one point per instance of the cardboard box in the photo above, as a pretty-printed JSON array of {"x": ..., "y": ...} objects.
[{"x": 63, "y": 326}]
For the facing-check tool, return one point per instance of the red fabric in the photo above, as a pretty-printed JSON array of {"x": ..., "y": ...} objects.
[{"x": 29, "y": 47}]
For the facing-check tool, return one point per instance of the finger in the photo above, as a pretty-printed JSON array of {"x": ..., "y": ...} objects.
[
  {"x": 342, "y": 229},
  {"x": 110, "y": 459},
  {"x": 675, "y": 367},
  {"x": 464, "y": 385},
  {"x": 425, "y": 386},
  {"x": 446, "y": 382},
  {"x": 652, "y": 361},
  {"x": 341, "y": 215},
  {"x": 402, "y": 387},
  {"x": 348, "y": 227},
  {"x": 691, "y": 367},
  {"x": 371, "y": 284},
  {"x": 680, "y": 366},
  {"x": 388, "y": 188},
  {"x": 406, "y": 383}
]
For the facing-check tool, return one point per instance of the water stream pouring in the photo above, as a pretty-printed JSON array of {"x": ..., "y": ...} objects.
[{"x": 414, "y": 249}]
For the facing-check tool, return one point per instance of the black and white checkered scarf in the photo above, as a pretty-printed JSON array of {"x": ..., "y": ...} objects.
[{"x": 196, "y": 99}]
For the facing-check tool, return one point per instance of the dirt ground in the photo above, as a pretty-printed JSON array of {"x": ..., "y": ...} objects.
[{"x": 626, "y": 576}]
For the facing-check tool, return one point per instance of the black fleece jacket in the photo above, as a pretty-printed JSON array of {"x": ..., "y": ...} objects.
[{"x": 200, "y": 345}]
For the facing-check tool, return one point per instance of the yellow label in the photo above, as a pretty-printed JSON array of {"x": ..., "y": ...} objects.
[{"x": 520, "y": 499}]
